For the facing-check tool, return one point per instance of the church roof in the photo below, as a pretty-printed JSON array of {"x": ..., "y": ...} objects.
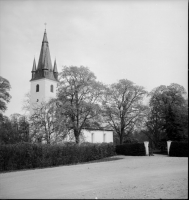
[{"x": 44, "y": 67}]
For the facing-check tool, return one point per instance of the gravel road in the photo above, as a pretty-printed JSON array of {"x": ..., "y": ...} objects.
[{"x": 144, "y": 177}]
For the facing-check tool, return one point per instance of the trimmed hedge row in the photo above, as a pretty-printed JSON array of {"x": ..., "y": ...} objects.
[
  {"x": 178, "y": 149},
  {"x": 27, "y": 155},
  {"x": 137, "y": 149}
]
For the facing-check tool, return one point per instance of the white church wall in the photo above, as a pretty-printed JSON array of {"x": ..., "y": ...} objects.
[
  {"x": 98, "y": 136},
  {"x": 93, "y": 136}
]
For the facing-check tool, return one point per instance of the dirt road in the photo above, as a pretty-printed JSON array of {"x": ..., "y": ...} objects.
[{"x": 128, "y": 178}]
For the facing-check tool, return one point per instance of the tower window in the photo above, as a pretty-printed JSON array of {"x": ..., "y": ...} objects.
[
  {"x": 37, "y": 88},
  {"x": 51, "y": 88}
]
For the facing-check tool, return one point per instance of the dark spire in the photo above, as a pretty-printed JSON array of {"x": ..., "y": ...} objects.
[
  {"x": 55, "y": 71},
  {"x": 45, "y": 58},
  {"x": 45, "y": 37},
  {"x": 33, "y": 69},
  {"x": 55, "y": 67},
  {"x": 44, "y": 67},
  {"x": 34, "y": 66}
]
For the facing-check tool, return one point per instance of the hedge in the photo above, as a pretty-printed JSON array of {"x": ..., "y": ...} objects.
[
  {"x": 27, "y": 155},
  {"x": 178, "y": 149},
  {"x": 137, "y": 149}
]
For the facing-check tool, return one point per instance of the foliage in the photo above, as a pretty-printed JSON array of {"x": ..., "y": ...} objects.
[
  {"x": 137, "y": 149},
  {"x": 4, "y": 93},
  {"x": 162, "y": 145},
  {"x": 178, "y": 149},
  {"x": 46, "y": 124},
  {"x": 27, "y": 155},
  {"x": 122, "y": 107},
  {"x": 168, "y": 115},
  {"x": 140, "y": 136},
  {"x": 14, "y": 130},
  {"x": 130, "y": 140},
  {"x": 26, "y": 103},
  {"x": 79, "y": 96}
]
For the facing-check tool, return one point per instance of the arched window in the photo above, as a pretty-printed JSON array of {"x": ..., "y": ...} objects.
[
  {"x": 37, "y": 88},
  {"x": 51, "y": 88}
]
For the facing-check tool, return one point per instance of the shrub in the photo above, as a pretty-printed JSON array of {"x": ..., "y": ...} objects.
[
  {"x": 178, "y": 149},
  {"x": 130, "y": 140},
  {"x": 26, "y": 155},
  {"x": 137, "y": 149},
  {"x": 162, "y": 145}
]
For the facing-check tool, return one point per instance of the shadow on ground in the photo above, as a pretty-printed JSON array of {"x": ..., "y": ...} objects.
[{"x": 103, "y": 160}]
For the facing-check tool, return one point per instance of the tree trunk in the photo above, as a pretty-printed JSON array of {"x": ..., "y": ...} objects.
[
  {"x": 120, "y": 139},
  {"x": 76, "y": 134},
  {"x": 121, "y": 135}
]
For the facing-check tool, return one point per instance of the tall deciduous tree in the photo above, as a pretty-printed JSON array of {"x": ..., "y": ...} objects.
[
  {"x": 14, "y": 130},
  {"x": 79, "y": 94},
  {"x": 26, "y": 103},
  {"x": 168, "y": 113},
  {"x": 122, "y": 107},
  {"x": 46, "y": 124},
  {"x": 4, "y": 93}
]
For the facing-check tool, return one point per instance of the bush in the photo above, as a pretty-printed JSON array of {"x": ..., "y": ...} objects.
[
  {"x": 26, "y": 155},
  {"x": 178, "y": 149},
  {"x": 137, "y": 149},
  {"x": 130, "y": 140},
  {"x": 162, "y": 145}
]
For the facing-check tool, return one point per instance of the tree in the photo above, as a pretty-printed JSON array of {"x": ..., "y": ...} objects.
[
  {"x": 122, "y": 107},
  {"x": 168, "y": 113},
  {"x": 46, "y": 124},
  {"x": 26, "y": 103},
  {"x": 14, "y": 130},
  {"x": 7, "y": 134},
  {"x": 21, "y": 125},
  {"x": 79, "y": 95},
  {"x": 4, "y": 93}
]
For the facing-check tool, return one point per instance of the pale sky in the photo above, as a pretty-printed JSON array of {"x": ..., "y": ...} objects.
[{"x": 145, "y": 42}]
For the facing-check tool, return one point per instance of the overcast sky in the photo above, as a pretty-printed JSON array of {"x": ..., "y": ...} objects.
[{"x": 145, "y": 42}]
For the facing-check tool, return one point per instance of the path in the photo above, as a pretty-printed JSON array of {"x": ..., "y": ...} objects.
[{"x": 128, "y": 178}]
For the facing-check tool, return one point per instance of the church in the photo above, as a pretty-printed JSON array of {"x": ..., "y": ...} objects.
[
  {"x": 45, "y": 77},
  {"x": 43, "y": 86}
]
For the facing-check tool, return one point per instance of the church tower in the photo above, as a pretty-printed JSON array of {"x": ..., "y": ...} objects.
[{"x": 44, "y": 78}]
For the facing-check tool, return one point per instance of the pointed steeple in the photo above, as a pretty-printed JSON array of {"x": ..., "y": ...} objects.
[
  {"x": 44, "y": 67},
  {"x": 45, "y": 37},
  {"x": 33, "y": 69},
  {"x": 55, "y": 67},
  {"x": 45, "y": 58},
  {"x": 34, "y": 66},
  {"x": 55, "y": 71}
]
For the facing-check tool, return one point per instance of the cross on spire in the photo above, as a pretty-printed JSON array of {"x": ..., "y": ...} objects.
[{"x": 45, "y": 26}]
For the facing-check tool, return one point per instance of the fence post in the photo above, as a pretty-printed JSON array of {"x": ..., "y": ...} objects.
[
  {"x": 146, "y": 147},
  {"x": 168, "y": 145}
]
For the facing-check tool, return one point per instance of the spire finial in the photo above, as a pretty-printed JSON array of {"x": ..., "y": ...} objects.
[{"x": 45, "y": 26}]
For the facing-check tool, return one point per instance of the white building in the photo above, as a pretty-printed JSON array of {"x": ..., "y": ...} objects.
[
  {"x": 98, "y": 136},
  {"x": 93, "y": 136}
]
